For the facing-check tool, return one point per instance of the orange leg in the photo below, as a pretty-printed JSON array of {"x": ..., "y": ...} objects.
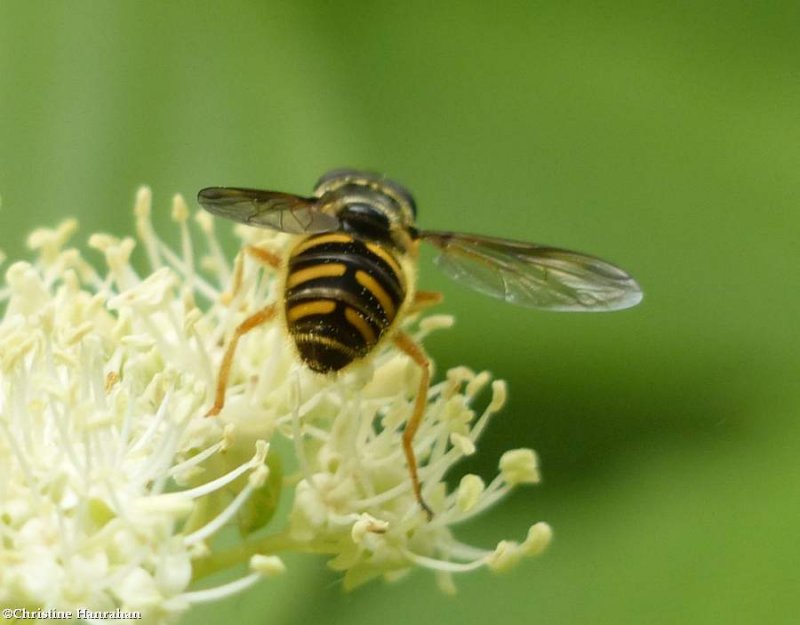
[
  {"x": 253, "y": 321},
  {"x": 262, "y": 316},
  {"x": 263, "y": 256},
  {"x": 407, "y": 344},
  {"x": 423, "y": 299}
]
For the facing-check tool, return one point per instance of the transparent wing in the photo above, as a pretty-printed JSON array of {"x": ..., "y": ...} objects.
[
  {"x": 533, "y": 275},
  {"x": 268, "y": 209}
]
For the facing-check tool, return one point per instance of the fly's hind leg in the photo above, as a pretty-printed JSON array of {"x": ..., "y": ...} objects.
[
  {"x": 414, "y": 351},
  {"x": 269, "y": 259},
  {"x": 253, "y": 321}
]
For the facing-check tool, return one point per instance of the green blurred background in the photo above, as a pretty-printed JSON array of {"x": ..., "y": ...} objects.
[{"x": 663, "y": 135}]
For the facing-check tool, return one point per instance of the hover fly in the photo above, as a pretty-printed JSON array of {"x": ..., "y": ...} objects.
[{"x": 350, "y": 277}]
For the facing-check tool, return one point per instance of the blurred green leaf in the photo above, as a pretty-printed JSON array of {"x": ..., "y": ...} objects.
[{"x": 663, "y": 136}]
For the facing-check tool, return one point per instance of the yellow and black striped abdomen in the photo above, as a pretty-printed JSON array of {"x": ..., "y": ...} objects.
[{"x": 342, "y": 294}]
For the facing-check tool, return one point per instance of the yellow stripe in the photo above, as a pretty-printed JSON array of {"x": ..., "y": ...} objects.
[
  {"x": 371, "y": 284},
  {"x": 360, "y": 324},
  {"x": 334, "y": 237},
  {"x": 387, "y": 258},
  {"x": 323, "y": 270},
  {"x": 327, "y": 342},
  {"x": 314, "y": 307}
]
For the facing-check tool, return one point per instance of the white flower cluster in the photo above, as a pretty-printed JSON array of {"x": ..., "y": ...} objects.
[{"x": 114, "y": 485}]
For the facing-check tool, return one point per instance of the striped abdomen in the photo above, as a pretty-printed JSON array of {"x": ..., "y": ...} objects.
[{"x": 342, "y": 295}]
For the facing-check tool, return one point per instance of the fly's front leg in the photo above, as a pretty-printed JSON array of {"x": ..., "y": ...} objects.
[
  {"x": 407, "y": 344},
  {"x": 253, "y": 321}
]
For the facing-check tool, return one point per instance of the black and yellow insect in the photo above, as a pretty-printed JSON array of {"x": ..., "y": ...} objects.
[{"x": 350, "y": 278}]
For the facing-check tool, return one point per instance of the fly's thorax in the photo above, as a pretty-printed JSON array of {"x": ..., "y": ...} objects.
[
  {"x": 343, "y": 295},
  {"x": 368, "y": 204}
]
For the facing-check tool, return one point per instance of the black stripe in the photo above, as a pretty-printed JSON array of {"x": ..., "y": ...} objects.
[
  {"x": 335, "y": 326},
  {"x": 323, "y": 356},
  {"x": 353, "y": 253},
  {"x": 346, "y": 287},
  {"x": 329, "y": 342},
  {"x": 342, "y": 289}
]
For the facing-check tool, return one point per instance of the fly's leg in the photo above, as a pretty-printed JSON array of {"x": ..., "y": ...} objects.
[
  {"x": 263, "y": 256},
  {"x": 407, "y": 344},
  {"x": 424, "y": 299},
  {"x": 253, "y": 321}
]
